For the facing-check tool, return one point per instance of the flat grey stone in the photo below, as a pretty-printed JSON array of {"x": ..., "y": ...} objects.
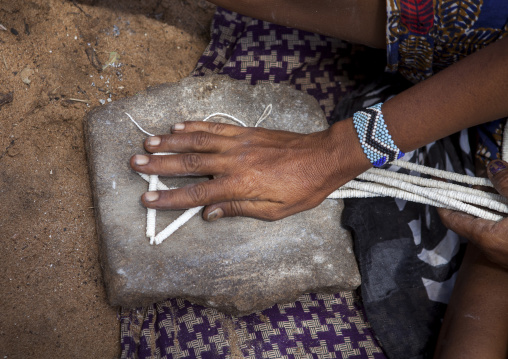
[{"x": 236, "y": 265}]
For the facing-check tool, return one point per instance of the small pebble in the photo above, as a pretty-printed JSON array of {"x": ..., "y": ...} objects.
[
  {"x": 14, "y": 31},
  {"x": 25, "y": 75},
  {"x": 102, "y": 101}
]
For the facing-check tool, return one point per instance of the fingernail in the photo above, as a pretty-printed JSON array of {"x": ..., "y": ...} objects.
[
  {"x": 178, "y": 126},
  {"x": 496, "y": 166},
  {"x": 215, "y": 215},
  {"x": 151, "y": 196},
  {"x": 153, "y": 141},
  {"x": 141, "y": 160}
]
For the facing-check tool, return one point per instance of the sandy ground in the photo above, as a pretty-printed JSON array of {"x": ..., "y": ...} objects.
[{"x": 58, "y": 60}]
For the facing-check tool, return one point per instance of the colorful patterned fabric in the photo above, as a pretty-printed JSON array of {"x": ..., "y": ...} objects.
[
  {"x": 317, "y": 325},
  {"x": 258, "y": 52},
  {"x": 426, "y": 36},
  {"x": 489, "y": 138}
]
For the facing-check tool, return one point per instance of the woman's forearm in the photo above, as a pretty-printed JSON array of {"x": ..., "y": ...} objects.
[
  {"x": 476, "y": 321},
  {"x": 468, "y": 93}
]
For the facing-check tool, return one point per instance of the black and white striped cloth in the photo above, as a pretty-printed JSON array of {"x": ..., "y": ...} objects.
[{"x": 408, "y": 259}]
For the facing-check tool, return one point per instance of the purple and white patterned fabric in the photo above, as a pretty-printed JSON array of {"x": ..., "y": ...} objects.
[
  {"x": 256, "y": 51},
  {"x": 315, "y": 326}
]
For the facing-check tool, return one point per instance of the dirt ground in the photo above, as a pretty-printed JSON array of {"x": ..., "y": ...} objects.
[{"x": 58, "y": 60}]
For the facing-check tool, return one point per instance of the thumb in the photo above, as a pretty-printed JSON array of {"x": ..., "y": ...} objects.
[{"x": 498, "y": 173}]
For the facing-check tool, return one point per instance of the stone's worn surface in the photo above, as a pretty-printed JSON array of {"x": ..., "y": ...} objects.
[{"x": 237, "y": 265}]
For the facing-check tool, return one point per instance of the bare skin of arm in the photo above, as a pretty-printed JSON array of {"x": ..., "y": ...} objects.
[
  {"x": 468, "y": 93},
  {"x": 476, "y": 321}
]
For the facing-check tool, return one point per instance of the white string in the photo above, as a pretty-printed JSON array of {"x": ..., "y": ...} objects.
[
  {"x": 148, "y": 133},
  {"x": 177, "y": 223},
  {"x": 473, "y": 181},
  {"x": 427, "y": 182},
  {"x": 472, "y": 199},
  {"x": 445, "y": 200},
  {"x": 225, "y": 115},
  {"x": 151, "y": 213},
  {"x": 265, "y": 115},
  {"x": 357, "y": 189},
  {"x": 379, "y": 182},
  {"x": 380, "y": 190},
  {"x": 160, "y": 186},
  {"x": 345, "y": 192}
]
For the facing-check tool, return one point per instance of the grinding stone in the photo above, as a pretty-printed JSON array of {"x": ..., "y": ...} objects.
[{"x": 236, "y": 265}]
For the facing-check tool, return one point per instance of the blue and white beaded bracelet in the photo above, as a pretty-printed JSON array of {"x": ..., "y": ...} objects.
[{"x": 374, "y": 137}]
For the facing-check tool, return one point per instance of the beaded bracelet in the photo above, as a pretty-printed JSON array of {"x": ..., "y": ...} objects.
[{"x": 374, "y": 137}]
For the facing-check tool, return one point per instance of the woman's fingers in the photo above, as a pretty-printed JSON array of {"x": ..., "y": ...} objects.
[
  {"x": 194, "y": 195},
  {"x": 264, "y": 210},
  {"x": 199, "y": 141},
  {"x": 185, "y": 164},
  {"x": 216, "y": 128},
  {"x": 498, "y": 174},
  {"x": 476, "y": 229},
  {"x": 491, "y": 237}
]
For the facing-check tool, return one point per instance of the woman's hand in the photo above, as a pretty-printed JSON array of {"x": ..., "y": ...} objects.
[
  {"x": 256, "y": 172},
  {"x": 491, "y": 237}
]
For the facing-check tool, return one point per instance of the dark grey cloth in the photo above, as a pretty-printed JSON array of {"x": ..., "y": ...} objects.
[{"x": 408, "y": 260}]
